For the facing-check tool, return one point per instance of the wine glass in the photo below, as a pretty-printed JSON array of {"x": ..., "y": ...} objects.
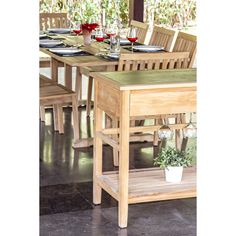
[
  {"x": 110, "y": 30},
  {"x": 132, "y": 36},
  {"x": 190, "y": 130},
  {"x": 77, "y": 30},
  {"x": 99, "y": 35}
]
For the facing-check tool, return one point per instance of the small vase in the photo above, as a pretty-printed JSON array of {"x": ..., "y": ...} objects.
[
  {"x": 174, "y": 174},
  {"x": 87, "y": 37}
]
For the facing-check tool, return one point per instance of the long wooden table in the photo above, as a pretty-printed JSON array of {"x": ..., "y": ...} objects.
[
  {"x": 78, "y": 62},
  {"x": 126, "y": 94}
]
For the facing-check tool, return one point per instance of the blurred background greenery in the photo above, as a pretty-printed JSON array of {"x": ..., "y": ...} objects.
[{"x": 172, "y": 13}]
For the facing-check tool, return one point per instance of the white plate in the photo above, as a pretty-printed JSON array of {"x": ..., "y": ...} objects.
[
  {"x": 126, "y": 41},
  {"x": 113, "y": 55},
  {"x": 42, "y": 35},
  {"x": 50, "y": 43},
  {"x": 59, "y": 31},
  {"x": 63, "y": 51},
  {"x": 148, "y": 48}
]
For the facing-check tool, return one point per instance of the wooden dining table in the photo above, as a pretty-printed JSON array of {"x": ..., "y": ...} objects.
[
  {"x": 79, "y": 62},
  {"x": 139, "y": 93}
]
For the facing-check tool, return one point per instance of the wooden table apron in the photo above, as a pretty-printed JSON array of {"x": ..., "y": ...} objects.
[{"x": 126, "y": 94}]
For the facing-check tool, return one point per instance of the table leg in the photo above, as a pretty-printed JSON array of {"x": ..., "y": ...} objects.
[
  {"x": 97, "y": 149},
  {"x": 75, "y": 118},
  {"x": 124, "y": 159},
  {"x": 78, "y": 84},
  {"x": 68, "y": 76},
  {"x": 54, "y": 69}
]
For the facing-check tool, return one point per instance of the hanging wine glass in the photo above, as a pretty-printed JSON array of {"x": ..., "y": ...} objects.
[
  {"x": 165, "y": 132},
  {"x": 190, "y": 130}
]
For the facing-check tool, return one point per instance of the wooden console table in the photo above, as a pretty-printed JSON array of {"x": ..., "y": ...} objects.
[{"x": 139, "y": 93}]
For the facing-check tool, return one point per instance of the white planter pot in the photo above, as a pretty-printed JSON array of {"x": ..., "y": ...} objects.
[{"x": 174, "y": 174}]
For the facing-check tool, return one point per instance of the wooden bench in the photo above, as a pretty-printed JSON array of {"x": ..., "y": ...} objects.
[{"x": 57, "y": 95}]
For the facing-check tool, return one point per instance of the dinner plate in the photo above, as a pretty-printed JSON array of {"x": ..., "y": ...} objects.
[
  {"x": 124, "y": 41},
  {"x": 148, "y": 48},
  {"x": 42, "y": 36},
  {"x": 67, "y": 51},
  {"x": 113, "y": 55},
  {"x": 59, "y": 30},
  {"x": 49, "y": 43}
]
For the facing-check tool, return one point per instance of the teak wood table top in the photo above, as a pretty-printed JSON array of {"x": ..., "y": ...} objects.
[
  {"x": 137, "y": 80},
  {"x": 142, "y": 93}
]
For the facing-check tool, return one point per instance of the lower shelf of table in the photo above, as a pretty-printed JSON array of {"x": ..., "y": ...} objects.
[{"x": 146, "y": 185}]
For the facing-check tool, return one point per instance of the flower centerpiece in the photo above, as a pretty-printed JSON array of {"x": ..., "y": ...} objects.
[{"x": 87, "y": 29}]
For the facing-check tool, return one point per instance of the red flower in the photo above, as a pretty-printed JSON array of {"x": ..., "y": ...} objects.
[{"x": 89, "y": 27}]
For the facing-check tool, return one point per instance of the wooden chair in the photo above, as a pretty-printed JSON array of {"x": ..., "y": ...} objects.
[
  {"x": 186, "y": 43},
  {"x": 162, "y": 37},
  {"x": 53, "y": 20},
  {"x": 57, "y": 95},
  {"x": 142, "y": 29}
]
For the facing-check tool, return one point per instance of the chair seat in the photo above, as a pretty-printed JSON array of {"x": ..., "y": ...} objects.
[
  {"x": 53, "y": 91},
  {"x": 57, "y": 95}
]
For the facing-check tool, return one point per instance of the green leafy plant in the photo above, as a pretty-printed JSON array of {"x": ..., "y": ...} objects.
[{"x": 172, "y": 157}]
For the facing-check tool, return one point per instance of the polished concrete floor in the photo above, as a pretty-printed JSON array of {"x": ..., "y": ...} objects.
[{"x": 66, "y": 206}]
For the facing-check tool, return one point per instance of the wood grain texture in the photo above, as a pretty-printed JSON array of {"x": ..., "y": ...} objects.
[
  {"x": 149, "y": 184},
  {"x": 53, "y": 20},
  {"x": 162, "y": 37},
  {"x": 142, "y": 29},
  {"x": 139, "y": 80},
  {"x": 186, "y": 43}
]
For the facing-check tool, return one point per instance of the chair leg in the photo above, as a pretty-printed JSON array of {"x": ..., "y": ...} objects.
[
  {"x": 55, "y": 117},
  {"x": 75, "y": 118},
  {"x": 89, "y": 95},
  {"x": 60, "y": 119},
  {"x": 42, "y": 113}
]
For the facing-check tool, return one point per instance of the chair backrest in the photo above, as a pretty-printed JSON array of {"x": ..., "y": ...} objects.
[
  {"x": 162, "y": 37},
  {"x": 142, "y": 29},
  {"x": 186, "y": 43},
  {"x": 53, "y": 20},
  {"x": 153, "y": 61}
]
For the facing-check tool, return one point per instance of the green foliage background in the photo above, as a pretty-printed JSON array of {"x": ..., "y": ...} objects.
[{"x": 174, "y": 13}]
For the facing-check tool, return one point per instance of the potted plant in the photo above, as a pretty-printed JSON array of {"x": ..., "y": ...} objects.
[{"x": 173, "y": 161}]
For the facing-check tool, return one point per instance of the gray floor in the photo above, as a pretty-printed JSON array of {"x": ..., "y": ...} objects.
[{"x": 66, "y": 206}]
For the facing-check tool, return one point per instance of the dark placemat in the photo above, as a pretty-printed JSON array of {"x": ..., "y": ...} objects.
[
  {"x": 108, "y": 58},
  {"x": 44, "y": 37},
  {"x": 57, "y": 46}
]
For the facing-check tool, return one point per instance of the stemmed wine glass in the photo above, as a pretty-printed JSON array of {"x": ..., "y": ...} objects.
[
  {"x": 99, "y": 35},
  {"x": 132, "y": 36},
  {"x": 190, "y": 130},
  {"x": 110, "y": 31},
  {"x": 77, "y": 31}
]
